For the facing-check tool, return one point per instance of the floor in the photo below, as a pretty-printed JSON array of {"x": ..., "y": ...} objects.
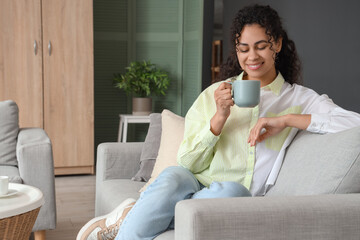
[{"x": 75, "y": 204}]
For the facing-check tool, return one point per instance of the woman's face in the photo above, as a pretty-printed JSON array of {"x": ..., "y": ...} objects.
[{"x": 255, "y": 54}]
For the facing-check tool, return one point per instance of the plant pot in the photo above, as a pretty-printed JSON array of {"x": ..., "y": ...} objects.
[{"x": 141, "y": 106}]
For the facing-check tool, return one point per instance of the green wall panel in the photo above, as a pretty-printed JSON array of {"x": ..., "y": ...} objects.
[
  {"x": 168, "y": 33},
  {"x": 191, "y": 73},
  {"x": 157, "y": 16},
  {"x": 109, "y": 101},
  {"x": 110, "y": 15},
  {"x": 110, "y": 56},
  {"x": 192, "y": 52},
  {"x": 158, "y": 38},
  {"x": 193, "y": 15}
]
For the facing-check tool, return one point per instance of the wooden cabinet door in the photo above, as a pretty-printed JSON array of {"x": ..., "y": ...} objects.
[
  {"x": 68, "y": 83},
  {"x": 20, "y": 62}
]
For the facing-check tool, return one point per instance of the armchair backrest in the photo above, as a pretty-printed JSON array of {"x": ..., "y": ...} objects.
[{"x": 9, "y": 128}]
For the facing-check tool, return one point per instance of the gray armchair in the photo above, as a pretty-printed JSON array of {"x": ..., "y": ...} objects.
[{"x": 26, "y": 157}]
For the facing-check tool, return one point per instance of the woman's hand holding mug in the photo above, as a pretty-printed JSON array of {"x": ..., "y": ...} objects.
[
  {"x": 243, "y": 93},
  {"x": 224, "y": 101}
]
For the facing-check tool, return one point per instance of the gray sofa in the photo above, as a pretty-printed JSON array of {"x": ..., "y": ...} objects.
[
  {"x": 315, "y": 195},
  {"x": 26, "y": 157}
]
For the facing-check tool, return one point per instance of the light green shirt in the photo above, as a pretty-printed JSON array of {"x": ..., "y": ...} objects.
[{"x": 199, "y": 150}]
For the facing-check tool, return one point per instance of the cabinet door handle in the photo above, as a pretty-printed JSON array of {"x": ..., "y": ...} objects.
[
  {"x": 49, "y": 47},
  {"x": 35, "y": 47}
]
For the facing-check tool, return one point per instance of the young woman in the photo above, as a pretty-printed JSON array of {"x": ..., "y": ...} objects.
[{"x": 230, "y": 151}]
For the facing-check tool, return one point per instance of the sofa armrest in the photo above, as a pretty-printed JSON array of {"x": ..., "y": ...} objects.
[
  {"x": 115, "y": 161},
  {"x": 36, "y": 168},
  {"x": 295, "y": 217},
  {"x": 118, "y": 160}
]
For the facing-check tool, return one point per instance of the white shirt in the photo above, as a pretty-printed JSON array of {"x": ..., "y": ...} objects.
[{"x": 284, "y": 98}]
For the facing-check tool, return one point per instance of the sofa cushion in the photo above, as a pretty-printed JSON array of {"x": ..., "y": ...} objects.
[
  {"x": 171, "y": 137},
  {"x": 320, "y": 164},
  {"x": 150, "y": 149},
  {"x": 12, "y": 172},
  {"x": 115, "y": 191},
  {"x": 9, "y": 128}
]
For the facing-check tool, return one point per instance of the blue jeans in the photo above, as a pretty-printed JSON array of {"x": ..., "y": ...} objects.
[{"x": 154, "y": 211}]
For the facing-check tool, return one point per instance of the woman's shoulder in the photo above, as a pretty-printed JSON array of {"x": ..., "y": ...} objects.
[
  {"x": 206, "y": 97},
  {"x": 213, "y": 87},
  {"x": 296, "y": 88},
  {"x": 300, "y": 93}
]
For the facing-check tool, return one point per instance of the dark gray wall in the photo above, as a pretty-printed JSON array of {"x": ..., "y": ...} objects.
[
  {"x": 327, "y": 37},
  {"x": 207, "y": 42}
]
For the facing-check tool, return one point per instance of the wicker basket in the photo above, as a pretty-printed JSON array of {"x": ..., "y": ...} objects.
[{"x": 18, "y": 227}]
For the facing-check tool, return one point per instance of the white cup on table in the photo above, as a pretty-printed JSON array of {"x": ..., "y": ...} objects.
[{"x": 4, "y": 185}]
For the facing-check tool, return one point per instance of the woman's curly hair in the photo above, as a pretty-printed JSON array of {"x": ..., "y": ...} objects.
[{"x": 287, "y": 60}]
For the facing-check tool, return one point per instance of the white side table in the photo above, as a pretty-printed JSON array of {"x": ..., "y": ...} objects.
[
  {"x": 125, "y": 119},
  {"x": 19, "y": 210}
]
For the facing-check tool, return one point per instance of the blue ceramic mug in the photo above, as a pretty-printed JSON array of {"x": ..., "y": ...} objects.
[{"x": 246, "y": 93}]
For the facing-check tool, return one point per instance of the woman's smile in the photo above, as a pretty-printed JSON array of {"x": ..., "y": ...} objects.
[{"x": 254, "y": 66}]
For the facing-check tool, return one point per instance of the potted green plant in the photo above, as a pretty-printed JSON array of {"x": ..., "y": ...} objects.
[{"x": 142, "y": 80}]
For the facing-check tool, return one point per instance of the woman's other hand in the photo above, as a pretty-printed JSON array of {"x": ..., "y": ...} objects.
[
  {"x": 224, "y": 101},
  {"x": 267, "y": 127},
  {"x": 271, "y": 126}
]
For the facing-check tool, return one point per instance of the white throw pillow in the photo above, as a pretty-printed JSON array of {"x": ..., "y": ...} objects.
[{"x": 172, "y": 135}]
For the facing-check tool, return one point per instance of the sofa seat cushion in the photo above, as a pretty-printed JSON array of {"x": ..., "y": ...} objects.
[
  {"x": 115, "y": 191},
  {"x": 320, "y": 164},
  {"x": 12, "y": 172},
  {"x": 9, "y": 128}
]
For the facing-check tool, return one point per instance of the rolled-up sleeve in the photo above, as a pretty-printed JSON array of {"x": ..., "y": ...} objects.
[{"x": 327, "y": 117}]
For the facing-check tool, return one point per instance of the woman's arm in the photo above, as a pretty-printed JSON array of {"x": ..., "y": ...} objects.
[
  {"x": 203, "y": 125},
  {"x": 267, "y": 127},
  {"x": 224, "y": 102},
  {"x": 320, "y": 115}
]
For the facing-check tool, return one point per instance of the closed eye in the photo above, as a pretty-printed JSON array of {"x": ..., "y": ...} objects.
[
  {"x": 243, "y": 50},
  {"x": 262, "y": 46}
]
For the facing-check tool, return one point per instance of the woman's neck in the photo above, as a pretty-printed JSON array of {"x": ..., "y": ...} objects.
[{"x": 264, "y": 80}]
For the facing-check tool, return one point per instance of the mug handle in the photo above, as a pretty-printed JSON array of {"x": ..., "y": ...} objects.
[{"x": 231, "y": 81}]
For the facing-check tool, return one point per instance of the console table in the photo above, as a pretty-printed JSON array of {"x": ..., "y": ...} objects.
[
  {"x": 19, "y": 210},
  {"x": 125, "y": 119}
]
